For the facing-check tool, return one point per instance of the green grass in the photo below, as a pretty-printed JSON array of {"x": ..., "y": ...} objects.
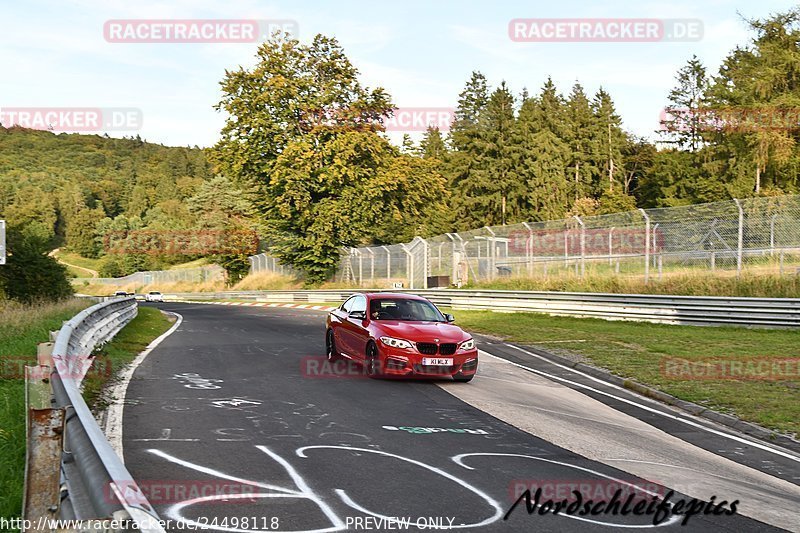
[
  {"x": 21, "y": 328},
  {"x": 79, "y": 261},
  {"x": 636, "y": 350},
  {"x": 692, "y": 284},
  {"x": 203, "y": 261}
]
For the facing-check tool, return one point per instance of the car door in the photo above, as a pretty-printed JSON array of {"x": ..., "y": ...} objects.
[
  {"x": 356, "y": 328},
  {"x": 339, "y": 325}
]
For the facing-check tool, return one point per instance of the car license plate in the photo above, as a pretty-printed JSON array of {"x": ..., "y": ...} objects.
[{"x": 437, "y": 361}]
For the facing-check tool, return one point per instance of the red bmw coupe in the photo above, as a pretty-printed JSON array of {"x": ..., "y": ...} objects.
[{"x": 400, "y": 335}]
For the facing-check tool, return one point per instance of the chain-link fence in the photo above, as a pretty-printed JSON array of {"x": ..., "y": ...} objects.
[{"x": 758, "y": 234}]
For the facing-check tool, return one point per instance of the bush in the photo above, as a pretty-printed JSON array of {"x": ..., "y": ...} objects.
[{"x": 30, "y": 274}]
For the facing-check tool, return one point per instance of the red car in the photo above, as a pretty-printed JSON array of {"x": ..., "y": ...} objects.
[{"x": 400, "y": 335}]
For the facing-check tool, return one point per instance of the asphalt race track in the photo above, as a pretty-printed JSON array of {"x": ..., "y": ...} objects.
[{"x": 240, "y": 398}]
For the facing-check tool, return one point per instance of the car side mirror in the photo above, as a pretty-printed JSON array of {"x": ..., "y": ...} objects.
[
  {"x": 450, "y": 318},
  {"x": 358, "y": 315}
]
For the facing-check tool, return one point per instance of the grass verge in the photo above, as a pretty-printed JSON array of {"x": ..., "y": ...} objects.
[
  {"x": 21, "y": 328},
  {"x": 638, "y": 350},
  {"x": 690, "y": 284}
]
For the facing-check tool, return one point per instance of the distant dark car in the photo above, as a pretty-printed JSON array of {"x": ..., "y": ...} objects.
[
  {"x": 400, "y": 335},
  {"x": 120, "y": 293}
]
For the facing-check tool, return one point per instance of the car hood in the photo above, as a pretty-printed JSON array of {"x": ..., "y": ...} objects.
[{"x": 422, "y": 331}]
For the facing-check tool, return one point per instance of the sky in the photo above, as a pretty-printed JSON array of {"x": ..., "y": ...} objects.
[{"x": 54, "y": 54}]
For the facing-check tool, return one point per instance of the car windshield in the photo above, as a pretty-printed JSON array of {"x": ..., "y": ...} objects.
[{"x": 404, "y": 309}]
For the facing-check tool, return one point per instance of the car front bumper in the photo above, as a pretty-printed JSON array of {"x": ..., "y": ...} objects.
[{"x": 406, "y": 362}]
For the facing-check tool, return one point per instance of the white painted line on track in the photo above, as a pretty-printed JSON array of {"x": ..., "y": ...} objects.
[
  {"x": 113, "y": 425},
  {"x": 634, "y": 403}
]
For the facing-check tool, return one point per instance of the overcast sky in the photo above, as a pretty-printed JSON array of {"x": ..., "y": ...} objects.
[{"x": 54, "y": 53}]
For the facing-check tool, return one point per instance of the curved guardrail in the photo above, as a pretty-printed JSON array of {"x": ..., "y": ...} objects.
[
  {"x": 94, "y": 483},
  {"x": 668, "y": 309}
]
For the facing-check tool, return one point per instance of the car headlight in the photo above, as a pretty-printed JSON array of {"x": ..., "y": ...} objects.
[
  {"x": 468, "y": 345},
  {"x": 396, "y": 343}
]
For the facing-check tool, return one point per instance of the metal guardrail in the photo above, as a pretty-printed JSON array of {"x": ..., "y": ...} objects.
[
  {"x": 666, "y": 309},
  {"x": 94, "y": 484}
]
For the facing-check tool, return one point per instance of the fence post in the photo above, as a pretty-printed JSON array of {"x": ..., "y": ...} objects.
[
  {"x": 388, "y": 263},
  {"x": 646, "y": 245},
  {"x": 425, "y": 262},
  {"x": 529, "y": 249},
  {"x": 453, "y": 274},
  {"x": 371, "y": 265},
  {"x": 490, "y": 258},
  {"x": 610, "y": 244},
  {"x": 772, "y": 235},
  {"x": 654, "y": 247},
  {"x": 409, "y": 266},
  {"x": 583, "y": 245},
  {"x": 360, "y": 267},
  {"x": 741, "y": 237}
]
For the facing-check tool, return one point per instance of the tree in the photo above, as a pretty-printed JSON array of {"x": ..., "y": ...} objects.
[
  {"x": 580, "y": 122},
  {"x": 608, "y": 138},
  {"x": 293, "y": 90},
  {"x": 29, "y": 274},
  {"x": 432, "y": 145},
  {"x": 684, "y": 118},
  {"x": 343, "y": 190},
  {"x": 543, "y": 155}
]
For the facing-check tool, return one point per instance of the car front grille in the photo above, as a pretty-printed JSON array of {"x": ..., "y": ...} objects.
[
  {"x": 448, "y": 348},
  {"x": 430, "y": 348},
  {"x": 427, "y": 348}
]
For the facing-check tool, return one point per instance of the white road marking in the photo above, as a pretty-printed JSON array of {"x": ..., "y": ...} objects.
[
  {"x": 113, "y": 425},
  {"x": 634, "y": 403},
  {"x": 301, "y": 452}
]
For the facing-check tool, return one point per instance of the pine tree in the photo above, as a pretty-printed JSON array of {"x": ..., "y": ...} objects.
[
  {"x": 580, "y": 122},
  {"x": 608, "y": 140},
  {"x": 432, "y": 145},
  {"x": 684, "y": 118}
]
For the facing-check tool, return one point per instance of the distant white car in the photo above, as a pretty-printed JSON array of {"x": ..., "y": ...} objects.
[{"x": 154, "y": 296}]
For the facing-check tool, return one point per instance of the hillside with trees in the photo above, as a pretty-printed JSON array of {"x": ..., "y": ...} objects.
[{"x": 304, "y": 160}]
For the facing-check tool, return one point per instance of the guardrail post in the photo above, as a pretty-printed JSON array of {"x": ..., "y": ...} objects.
[
  {"x": 44, "y": 428},
  {"x": 583, "y": 244},
  {"x": 741, "y": 237},
  {"x": 646, "y": 245}
]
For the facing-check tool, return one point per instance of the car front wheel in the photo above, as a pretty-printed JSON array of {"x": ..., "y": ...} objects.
[
  {"x": 461, "y": 378},
  {"x": 330, "y": 345},
  {"x": 373, "y": 361}
]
